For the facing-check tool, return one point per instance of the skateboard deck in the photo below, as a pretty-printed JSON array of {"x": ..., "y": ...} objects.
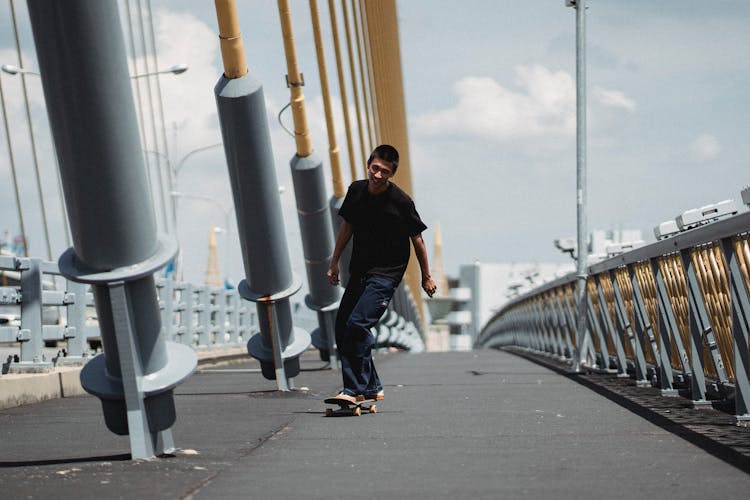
[{"x": 350, "y": 408}]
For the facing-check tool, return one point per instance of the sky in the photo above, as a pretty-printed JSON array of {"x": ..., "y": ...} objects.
[{"x": 491, "y": 103}]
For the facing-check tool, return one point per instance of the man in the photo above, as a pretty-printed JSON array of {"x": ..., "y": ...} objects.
[{"x": 382, "y": 219}]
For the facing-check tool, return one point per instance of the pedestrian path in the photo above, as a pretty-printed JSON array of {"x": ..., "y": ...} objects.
[{"x": 485, "y": 424}]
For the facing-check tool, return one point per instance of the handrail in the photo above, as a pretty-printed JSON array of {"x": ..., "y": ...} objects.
[
  {"x": 199, "y": 316},
  {"x": 674, "y": 314}
]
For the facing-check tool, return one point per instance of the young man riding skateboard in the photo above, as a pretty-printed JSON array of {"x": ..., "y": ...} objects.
[{"x": 382, "y": 219}]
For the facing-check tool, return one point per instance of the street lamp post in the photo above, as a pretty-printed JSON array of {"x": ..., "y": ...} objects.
[
  {"x": 10, "y": 69},
  {"x": 176, "y": 69},
  {"x": 40, "y": 193},
  {"x": 171, "y": 182},
  {"x": 582, "y": 277},
  {"x": 14, "y": 70},
  {"x": 174, "y": 193},
  {"x": 22, "y": 226}
]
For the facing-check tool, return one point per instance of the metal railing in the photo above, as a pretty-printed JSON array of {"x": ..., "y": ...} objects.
[
  {"x": 674, "y": 314},
  {"x": 35, "y": 313},
  {"x": 38, "y": 308}
]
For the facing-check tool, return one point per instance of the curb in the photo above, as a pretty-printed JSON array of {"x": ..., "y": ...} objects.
[{"x": 64, "y": 381}]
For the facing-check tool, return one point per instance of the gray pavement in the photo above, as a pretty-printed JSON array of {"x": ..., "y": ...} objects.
[{"x": 484, "y": 424}]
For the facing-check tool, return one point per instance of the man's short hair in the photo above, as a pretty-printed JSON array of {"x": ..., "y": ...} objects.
[{"x": 385, "y": 152}]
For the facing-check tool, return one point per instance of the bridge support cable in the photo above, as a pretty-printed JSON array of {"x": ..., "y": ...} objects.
[
  {"x": 247, "y": 143},
  {"x": 35, "y": 159},
  {"x": 116, "y": 246},
  {"x": 149, "y": 71},
  {"x": 355, "y": 89},
  {"x": 11, "y": 157},
  {"x": 313, "y": 209},
  {"x": 390, "y": 106},
  {"x": 363, "y": 57},
  {"x": 342, "y": 91},
  {"x": 339, "y": 188},
  {"x": 338, "y": 196},
  {"x": 140, "y": 116}
]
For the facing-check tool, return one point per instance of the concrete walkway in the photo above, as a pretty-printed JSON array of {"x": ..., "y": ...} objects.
[{"x": 484, "y": 424}]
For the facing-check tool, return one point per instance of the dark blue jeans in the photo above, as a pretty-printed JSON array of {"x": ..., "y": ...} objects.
[{"x": 363, "y": 303}]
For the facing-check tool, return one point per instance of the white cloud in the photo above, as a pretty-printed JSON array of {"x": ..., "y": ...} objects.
[
  {"x": 544, "y": 105},
  {"x": 705, "y": 147},
  {"x": 614, "y": 99},
  {"x": 188, "y": 98},
  {"x": 485, "y": 108}
]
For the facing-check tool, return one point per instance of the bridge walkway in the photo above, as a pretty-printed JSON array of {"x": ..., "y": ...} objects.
[{"x": 483, "y": 424}]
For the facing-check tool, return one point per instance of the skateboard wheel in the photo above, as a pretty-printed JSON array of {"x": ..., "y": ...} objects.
[
  {"x": 373, "y": 409},
  {"x": 329, "y": 412},
  {"x": 357, "y": 411}
]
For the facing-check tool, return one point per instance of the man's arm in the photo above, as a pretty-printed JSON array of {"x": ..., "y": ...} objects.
[
  {"x": 428, "y": 284},
  {"x": 345, "y": 233}
]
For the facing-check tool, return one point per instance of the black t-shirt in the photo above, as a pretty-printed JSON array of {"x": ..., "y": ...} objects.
[{"x": 383, "y": 225}]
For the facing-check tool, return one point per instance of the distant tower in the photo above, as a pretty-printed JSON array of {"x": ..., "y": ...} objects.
[
  {"x": 213, "y": 277},
  {"x": 437, "y": 263}
]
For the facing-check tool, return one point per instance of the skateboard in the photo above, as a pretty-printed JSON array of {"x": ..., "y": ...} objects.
[{"x": 349, "y": 408}]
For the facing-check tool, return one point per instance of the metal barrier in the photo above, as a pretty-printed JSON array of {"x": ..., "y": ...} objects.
[
  {"x": 35, "y": 312},
  {"x": 674, "y": 314}
]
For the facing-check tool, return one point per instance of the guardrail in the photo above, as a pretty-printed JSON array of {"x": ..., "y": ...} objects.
[
  {"x": 36, "y": 312},
  {"x": 39, "y": 307},
  {"x": 674, "y": 314}
]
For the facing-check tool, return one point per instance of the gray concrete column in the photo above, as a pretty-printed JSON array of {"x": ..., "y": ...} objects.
[
  {"x": 116, "y": 249},
  {"x": 269, "y": 281}
]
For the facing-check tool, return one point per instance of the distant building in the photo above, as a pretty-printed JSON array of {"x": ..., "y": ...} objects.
[
  {"x": 462, "y": 306},
  {"x": 492, "y": 285},
  {"x": 451, "y": 318}
]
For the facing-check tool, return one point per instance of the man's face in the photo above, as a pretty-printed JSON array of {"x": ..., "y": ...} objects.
[{"x": 379, "y": 171}]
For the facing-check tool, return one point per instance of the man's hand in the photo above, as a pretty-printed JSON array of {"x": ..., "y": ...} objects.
[
  {"x": 333, "y": 274},
  {"x": 429, "y": 285}
]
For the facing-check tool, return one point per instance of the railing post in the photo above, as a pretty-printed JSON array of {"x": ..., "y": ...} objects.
[
  {"x": 646, "y": 333},
  {"x": 698, "y": 379},
  {"x": 31, "y": 333},
  {"x": 165, "y": 286},
  {"x": 707, "y": 327},
  {"x": 233, "y": 312},
  {"x": 740, "y": 330},
  {"x": 75, "y": 332},
  {"x": 668, "y": 313},
  {"x": 566, "y": 327},
  {"x": 622, "y": 362},
  {"x": 555, "y": 326},
  {"x": 635, "y": 344},
  {"x": 547, "y": 334},
  {"x": 220, "y": 319},
  {"x": 203, "y": 308},
  {"x": 596, "y": 326},
  {"x": 646, "y": 325},
  {"x": 666, "y": 380}
]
